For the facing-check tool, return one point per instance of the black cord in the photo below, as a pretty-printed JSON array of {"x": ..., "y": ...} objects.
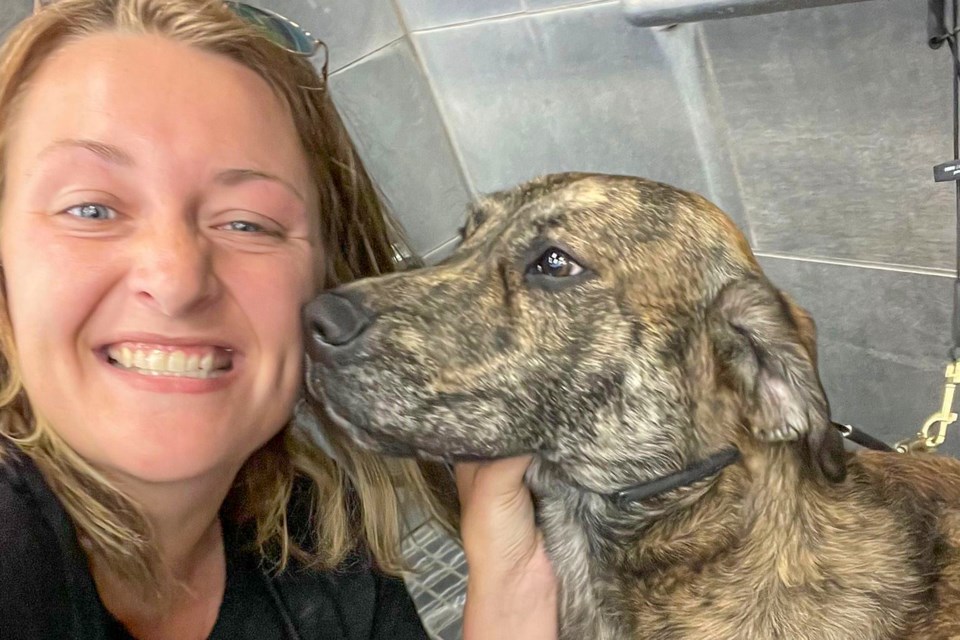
[
  {"x": 699, "y": 470},
  {"x": 861, "y": 438},
  {"x": 290, "y": 629},
  {"x": 956, "y": 128},
  {"x": 951, "y": 39}
]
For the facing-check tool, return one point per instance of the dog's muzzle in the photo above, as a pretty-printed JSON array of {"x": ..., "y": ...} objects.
[{"x": 335, "y": 323}]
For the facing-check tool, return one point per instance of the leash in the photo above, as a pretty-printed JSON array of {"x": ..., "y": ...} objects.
[
  {"x": 717, "y": 462},
  {"x": 862, "y": 438}
]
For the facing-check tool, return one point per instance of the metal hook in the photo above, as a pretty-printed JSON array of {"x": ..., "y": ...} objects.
[{"x": 934, "y": 430}]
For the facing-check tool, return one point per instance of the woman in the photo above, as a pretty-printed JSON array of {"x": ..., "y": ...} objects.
[{"x": 175, "y": 185}]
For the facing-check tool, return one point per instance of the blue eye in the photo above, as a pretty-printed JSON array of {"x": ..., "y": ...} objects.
[
  {"x": 92, "y": 211},
  {"x": 244, "y": 226}
]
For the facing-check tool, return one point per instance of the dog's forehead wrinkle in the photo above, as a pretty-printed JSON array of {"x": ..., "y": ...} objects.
[
  {"x": 617, "y": 221},
  {"x": 537, "y": 188},
  {"x": 491, "y": 210}
]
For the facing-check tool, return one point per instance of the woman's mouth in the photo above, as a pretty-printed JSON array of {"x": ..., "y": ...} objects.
[{"x": 201, "y": 362}]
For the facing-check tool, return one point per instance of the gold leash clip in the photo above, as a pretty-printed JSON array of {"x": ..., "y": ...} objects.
[{"x": 924, "y": 441}]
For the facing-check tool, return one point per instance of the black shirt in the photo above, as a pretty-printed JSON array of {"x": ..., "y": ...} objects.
[
  {"x": 47, "y": 591},
  {"x": 248, "y": 609}
]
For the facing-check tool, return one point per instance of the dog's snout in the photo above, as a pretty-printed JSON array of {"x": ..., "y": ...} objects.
[{"x": 334, "y": 322}]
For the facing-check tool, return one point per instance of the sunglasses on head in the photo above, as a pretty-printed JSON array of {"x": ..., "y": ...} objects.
[{"x": 279, "y": 29}]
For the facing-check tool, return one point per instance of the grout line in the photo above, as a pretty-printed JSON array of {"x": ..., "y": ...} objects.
[
  {"x": 580, "y": 3},
  {"x": 861, "y": 264},
  {"x": 687, "y": 60},
  {"x": 443, "y": 248},
  {"x": 722, "y": 126},
  {"x": 354, "y": 63},
  {"x": 516, "y": 14},
  {"x": 435, "y": 96}
]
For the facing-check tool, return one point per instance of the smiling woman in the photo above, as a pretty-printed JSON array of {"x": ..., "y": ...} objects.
[
  {"x": 157, "y": 244},
  {"x": 186, "y": 253}
]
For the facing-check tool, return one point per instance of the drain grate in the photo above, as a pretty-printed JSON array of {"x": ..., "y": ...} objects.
[{"x": 438, "y": 582}]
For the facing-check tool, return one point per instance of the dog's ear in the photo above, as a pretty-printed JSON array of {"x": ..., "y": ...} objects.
[{"x": 766, "y": 349}]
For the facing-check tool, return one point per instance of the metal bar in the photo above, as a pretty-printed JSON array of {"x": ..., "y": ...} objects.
[{"x": 657, "y": 13}]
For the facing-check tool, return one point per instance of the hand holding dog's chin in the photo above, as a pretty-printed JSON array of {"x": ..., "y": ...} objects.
[{"x": 511, "y": 589}]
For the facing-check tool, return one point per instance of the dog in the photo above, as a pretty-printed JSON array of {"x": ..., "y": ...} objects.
[{"x": 688, "y": 480}]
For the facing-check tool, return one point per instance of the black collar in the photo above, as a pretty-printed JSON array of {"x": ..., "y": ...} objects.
[
  {"x": 715, "y": 464},
  {"x": 699, "y": 470}
]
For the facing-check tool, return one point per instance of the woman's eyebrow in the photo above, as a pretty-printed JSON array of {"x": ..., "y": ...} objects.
[
  {"x": 118, "y": 156},
  {"x": 237, "y": 176},
  {"x": 108, "y": 152}
]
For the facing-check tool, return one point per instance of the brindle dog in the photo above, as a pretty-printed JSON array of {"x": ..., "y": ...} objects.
[{"x": 621, "y": 330}]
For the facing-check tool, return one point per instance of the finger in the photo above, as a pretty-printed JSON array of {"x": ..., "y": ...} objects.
[
  {"x": 494, "y": 479},
  {"x": 464, "y": 474}
]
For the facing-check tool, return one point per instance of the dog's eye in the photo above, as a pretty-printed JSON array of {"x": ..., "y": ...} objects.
[{"x": 556, "y": 264}]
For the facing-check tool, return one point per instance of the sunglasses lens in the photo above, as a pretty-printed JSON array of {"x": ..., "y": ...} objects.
[{"x": 282, "y": 31}]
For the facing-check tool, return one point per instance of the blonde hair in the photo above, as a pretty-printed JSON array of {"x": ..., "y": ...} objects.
[{"x": 351, "y": 501}]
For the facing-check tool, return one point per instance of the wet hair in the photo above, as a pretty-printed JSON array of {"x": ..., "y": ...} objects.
[{"x": 352, "y": 502}]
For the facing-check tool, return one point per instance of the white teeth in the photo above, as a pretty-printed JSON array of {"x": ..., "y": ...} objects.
[
  {"x": 157, "y": 362},
  {"x": 177, "y": 362}
]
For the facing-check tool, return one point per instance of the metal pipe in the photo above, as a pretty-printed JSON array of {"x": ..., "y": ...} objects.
[{"x": 657, "y": 13}]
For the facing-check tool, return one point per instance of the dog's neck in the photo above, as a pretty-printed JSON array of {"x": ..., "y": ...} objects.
[
  {"x": 598, "y": 545},
  {"x": 591, "y": 538}
]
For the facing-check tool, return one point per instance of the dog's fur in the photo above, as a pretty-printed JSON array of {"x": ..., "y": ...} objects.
[{"x": 669, "y": 346}]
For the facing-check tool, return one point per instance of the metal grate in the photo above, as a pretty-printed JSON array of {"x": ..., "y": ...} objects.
[{"x": 437, "y": 581}]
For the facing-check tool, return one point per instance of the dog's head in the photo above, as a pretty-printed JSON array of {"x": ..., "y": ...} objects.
[{"x": 613, "y": 326}]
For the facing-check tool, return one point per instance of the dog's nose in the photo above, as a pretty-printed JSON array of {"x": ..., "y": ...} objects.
[{"x": 334, "y": 321}]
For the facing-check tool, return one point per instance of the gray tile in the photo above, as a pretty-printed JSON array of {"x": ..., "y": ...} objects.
[
  {"x": 884, "y": 340},
  {"x": 685, "y": 51},
  {"x": 12, "y": 12},
  {"x": 442, "y": 251},
  {"x": 351, "y": 28},
  {"x": 836, "y": 116},
  {"x": 390, "y": 112},
  {"x": 903, "y": 314},
  {"x": 427, "y": 14},
  {"x": 578, "y": 89}
]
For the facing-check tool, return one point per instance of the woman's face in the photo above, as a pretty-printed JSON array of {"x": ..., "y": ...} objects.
[{"x": 157, "y": 245}]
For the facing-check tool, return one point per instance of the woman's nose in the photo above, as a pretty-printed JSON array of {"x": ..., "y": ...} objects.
[{"x": 173, "y": 269}]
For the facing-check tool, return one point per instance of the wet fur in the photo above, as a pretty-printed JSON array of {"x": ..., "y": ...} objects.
[{"x": 672, "y": 346}]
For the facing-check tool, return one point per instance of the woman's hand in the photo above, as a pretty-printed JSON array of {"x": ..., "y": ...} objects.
[{"x": 511, "y": 588}]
